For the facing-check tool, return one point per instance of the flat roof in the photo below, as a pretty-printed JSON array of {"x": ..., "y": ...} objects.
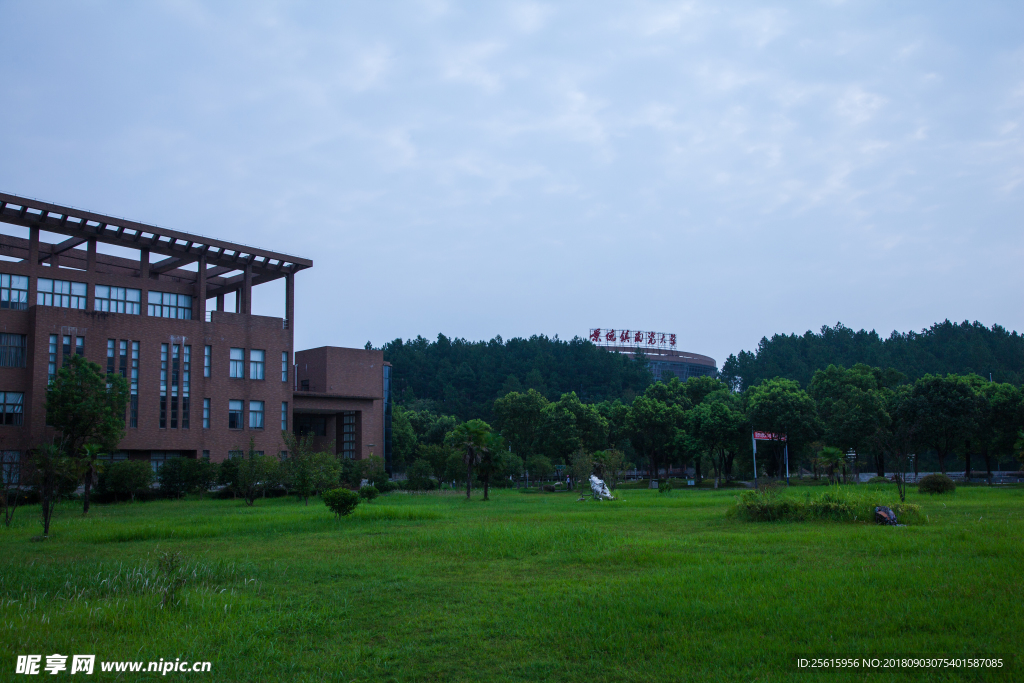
[{"x": 180, "y": 248}]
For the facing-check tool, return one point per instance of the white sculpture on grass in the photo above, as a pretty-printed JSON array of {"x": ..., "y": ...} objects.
[{"x": 600, "y": 489}]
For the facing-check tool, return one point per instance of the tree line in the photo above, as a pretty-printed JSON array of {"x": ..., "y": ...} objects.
[
  {"x": 943, "y": 348},
  {"x": 463, "y": 378},
  {"x": 860, "y": 417}
]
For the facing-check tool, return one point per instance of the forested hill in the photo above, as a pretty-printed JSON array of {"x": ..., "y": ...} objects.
[
  {"x": 943, "y": 348},
  {"x": 463, "y": 378}
]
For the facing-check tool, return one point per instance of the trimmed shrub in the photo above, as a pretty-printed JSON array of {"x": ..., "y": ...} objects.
[
  {"x": 368, "y": 493},
  {"x": 936, "y": 483},
  {"x": 878, "y": 480},
  {"x": 386, "y": 486},
  {"x": 341, "y": 501},
  {"x": 126, "y": 479},
  {"x": 664, "y": 486}
]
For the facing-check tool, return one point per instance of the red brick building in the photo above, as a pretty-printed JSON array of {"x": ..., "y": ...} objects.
[{"x": 203, "y": 381}]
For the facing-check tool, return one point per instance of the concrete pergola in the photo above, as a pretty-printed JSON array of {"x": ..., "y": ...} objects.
[{"x": 216, "y": 259}]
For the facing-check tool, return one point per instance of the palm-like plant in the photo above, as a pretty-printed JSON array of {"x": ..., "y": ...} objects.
[
  {"x": 832, "y": 459},
  {"x": 472, "y": 439}
]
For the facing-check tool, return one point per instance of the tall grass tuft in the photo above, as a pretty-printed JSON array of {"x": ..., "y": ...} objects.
[{"x": 836, "y": 503}]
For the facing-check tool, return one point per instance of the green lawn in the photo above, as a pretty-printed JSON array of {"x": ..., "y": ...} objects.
[{"x": 428, "y": 587}]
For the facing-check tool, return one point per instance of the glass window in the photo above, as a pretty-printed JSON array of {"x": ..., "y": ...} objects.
[
  {"x": 256, "y": 359},
  {"x": 237, "y": 368},
  {"x": 158, "y": 458},
  {"x": 117, "y": 300},
  {"x": 284, "y": 366},
  {"x": 207, "y": 353},
  {"x": 51, "y": 369},
  {"x": 236, "y": 454},
  {"x": 255, "y": 414},
  {"x": 163, "y": 386},
  {"x": 10, "y": 467},
  {"x": 206, "y": 413},
  {"x": 167, "y": 305},
  {"x": 234, "y": 414},
  {"x": 14, "y": 294},
  {"x": 12, "y": 404},
  {"x": 284, "y": 416},
  {"x": 134, "y": 387},
  {"x": 348, "y": 435},
  {"x": 12, "y": 350},
  {"x": 60, "y": 293}
]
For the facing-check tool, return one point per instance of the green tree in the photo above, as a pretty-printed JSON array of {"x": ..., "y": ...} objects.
[
  {"x": 307, "y": 470},
  {"x": 718, "y": 423},
  {"x": 518, "y": 417},
  {"x": 403, "y": 438},
  {"x": 471, "y": 440},
  {"x": 653, "y": 427},
  {"x": 127, "y": 478},
  {"x": 851, "y": 408},
  {"x": 53, "y": 475},
  {"x": 948, "y": 411},
  {"x": 87, "y": 407},
  {"x": 1001, "y": 420},
  {"x": 419, "y": 475},
  {"x": 254, "y": 473},
  {"x": 489, "y": 460},
  {"x": 782, "y": 407}
]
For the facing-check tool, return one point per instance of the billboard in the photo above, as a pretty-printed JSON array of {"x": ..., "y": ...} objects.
[{"x": 607, "y": 336}]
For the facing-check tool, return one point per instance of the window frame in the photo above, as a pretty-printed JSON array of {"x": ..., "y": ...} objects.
[
  {"x": 236, "y": 415},
  {"x": 236, "y": 366},
  {"x": 257, "y": 418}
]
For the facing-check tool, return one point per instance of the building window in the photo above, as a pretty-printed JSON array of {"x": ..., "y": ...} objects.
[
  {"x": 284, "y": 366},
  {"x": 79, "y": 348},
  {"x": 51, "y": 368},
  {"x": 123, "y": 356},
  {"x": 305, "y": 424},
  {"x": 206, "y": 413},
  {"x": 284, "y": 416},
  {"x": 133, "y": 387},
  {"x": 12, "y": 403},
  {"x": 111, "y": 347},
  {"x": 12, "y": 350},
  {"x": 116, "y": 456},
  {"x": 256, "y": 359},
  {"x": 14, "y": 294},
  {"x": 163, "y": 386},
  {"x": 237, "y": 368},
  {"x": 304, "y": 385},
  {"x": 186, "y": 371},
  {"x": 207, "y": 353},
  {"x": 348, "y": 434},
  {"x": 10, "y": 467},
  {"x": 117, "y": 300},
  {"x": 158, "y": 458},
  {"x": 167, "y": 305},
  {"x": 234, "y": 414},
  {"x": 236, "y": 454},
  {"x": 255, "y": 414},
  {"x": 60, "y": 293}
]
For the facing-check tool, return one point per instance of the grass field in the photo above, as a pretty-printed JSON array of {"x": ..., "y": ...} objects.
[{"x": 428, "y": 587}]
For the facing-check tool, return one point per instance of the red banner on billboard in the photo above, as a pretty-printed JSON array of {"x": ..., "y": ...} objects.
[
  {"x": 769, "y": 436},
  {"x": 604, "y": 336}
]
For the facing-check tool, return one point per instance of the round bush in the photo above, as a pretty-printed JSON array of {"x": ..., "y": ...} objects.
[
  {"x": 341, "y": 501},
  {"x": 386, "y": 486},
  {"x": 368, "y": 493},
  {"x": 878, "y": 480},
  {"x": 936, "y": 483},
  {"x": 664, "y": 486}
]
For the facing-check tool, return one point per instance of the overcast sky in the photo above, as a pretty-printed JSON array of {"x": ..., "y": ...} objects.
[{"x": 719, "y": 170}]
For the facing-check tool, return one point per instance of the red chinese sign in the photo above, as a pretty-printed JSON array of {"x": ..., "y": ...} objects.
[
  {"x": 632, "y": 338},
  {"x": 769, "y": 436}
]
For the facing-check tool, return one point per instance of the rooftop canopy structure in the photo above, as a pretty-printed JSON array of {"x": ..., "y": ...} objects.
[{"x": 226, "y": 267}]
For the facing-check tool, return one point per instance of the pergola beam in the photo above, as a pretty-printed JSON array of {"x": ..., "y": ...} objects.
[{"x": 183, "y": 247}]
